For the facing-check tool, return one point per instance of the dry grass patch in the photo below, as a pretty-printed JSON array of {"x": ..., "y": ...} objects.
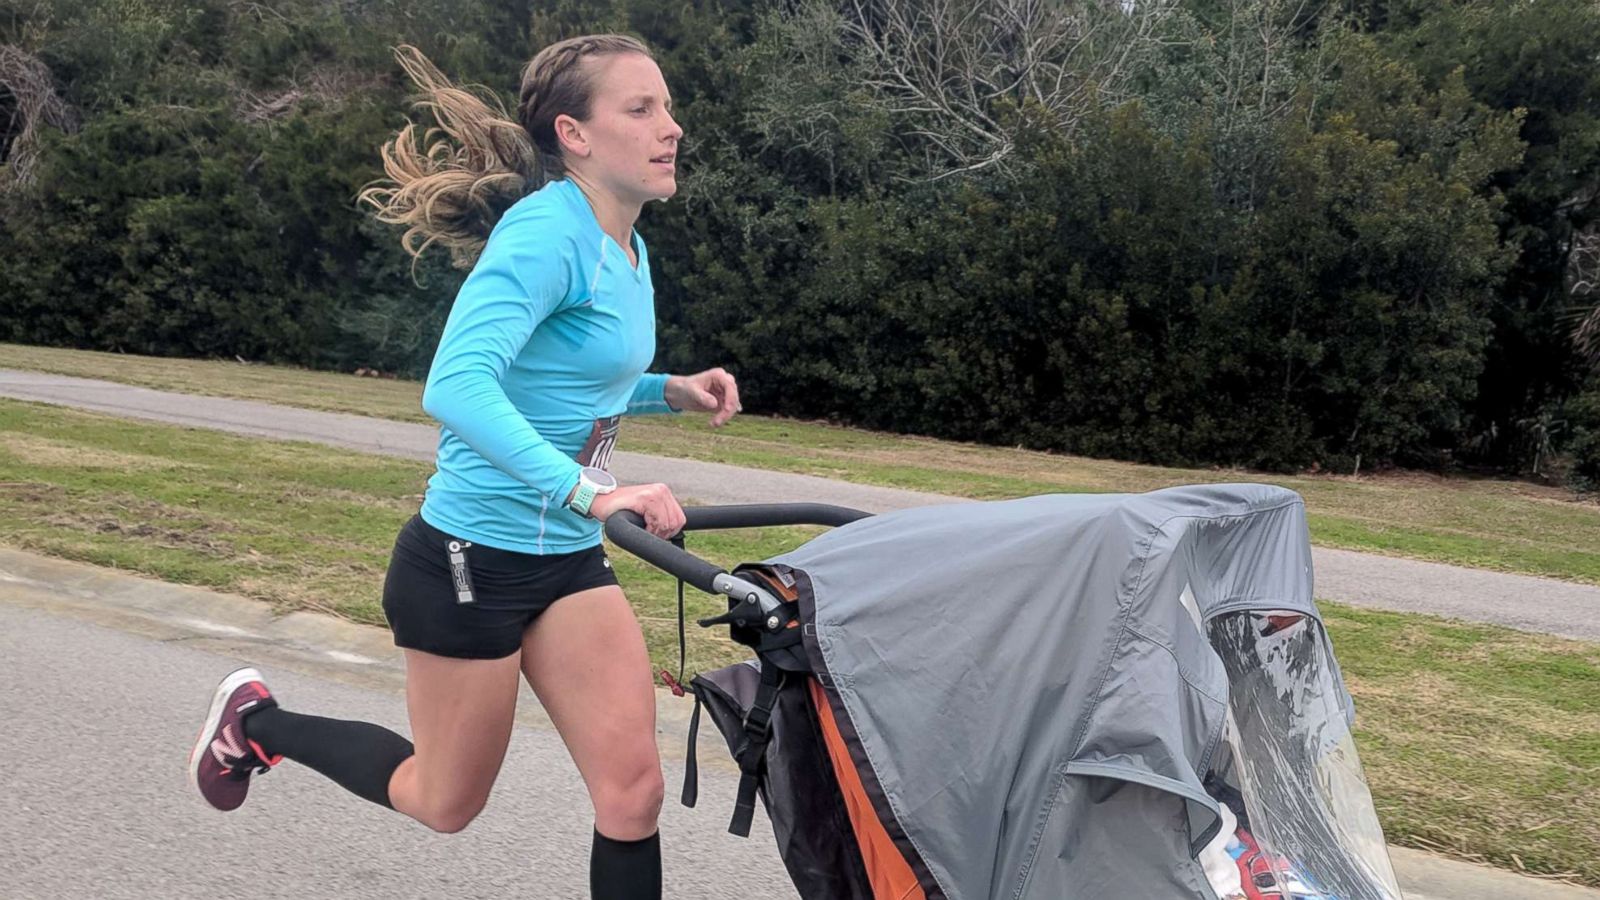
[{"x": 31, "y": 449}]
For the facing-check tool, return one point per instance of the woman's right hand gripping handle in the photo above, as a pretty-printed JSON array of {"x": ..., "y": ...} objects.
[{"x": 663, "y": 517}]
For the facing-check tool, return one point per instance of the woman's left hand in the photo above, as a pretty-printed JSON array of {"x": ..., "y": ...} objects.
[{"x": 713, "y": 391}]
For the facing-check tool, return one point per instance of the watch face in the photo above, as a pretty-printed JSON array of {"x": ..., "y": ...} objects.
[{"x": 600, "y": 478}]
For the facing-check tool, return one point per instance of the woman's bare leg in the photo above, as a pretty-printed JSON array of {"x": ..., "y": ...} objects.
[
  {"x": 585, "y": 658},
  {"x": 461, "y": 712}
]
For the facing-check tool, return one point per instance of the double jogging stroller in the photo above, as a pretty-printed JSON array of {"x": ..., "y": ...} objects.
[{"x": 1064, "y": 696}]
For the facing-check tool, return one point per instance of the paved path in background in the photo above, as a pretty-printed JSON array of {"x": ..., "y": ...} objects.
[
  {"x": 1518, "y": 601},
  {"x": 106, "y": 676}
]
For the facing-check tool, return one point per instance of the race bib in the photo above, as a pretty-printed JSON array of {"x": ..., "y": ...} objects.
[{"x": 602, "y": 440}]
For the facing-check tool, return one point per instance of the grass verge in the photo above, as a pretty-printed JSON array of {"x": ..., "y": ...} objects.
[
  {"x": 1504, "y": 525},
  {"x": 1478, "y": 741},
  {"x": 299, "y": 525}
]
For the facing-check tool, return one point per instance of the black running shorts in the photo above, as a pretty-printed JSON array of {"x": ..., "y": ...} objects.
[{"x": 449, "y": 597}]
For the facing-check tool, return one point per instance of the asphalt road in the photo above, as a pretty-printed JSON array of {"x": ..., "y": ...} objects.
[{"x": 95, "y": 800}]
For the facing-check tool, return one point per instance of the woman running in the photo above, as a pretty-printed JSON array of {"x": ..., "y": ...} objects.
[{"x": 502, "y": 573}]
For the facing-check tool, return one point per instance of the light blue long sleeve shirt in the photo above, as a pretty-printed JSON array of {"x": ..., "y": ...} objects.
[{"x": 545, "y": 348}]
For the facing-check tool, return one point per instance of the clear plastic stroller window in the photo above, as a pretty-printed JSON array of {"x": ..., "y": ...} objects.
[{"x": 1288, "y": 768}]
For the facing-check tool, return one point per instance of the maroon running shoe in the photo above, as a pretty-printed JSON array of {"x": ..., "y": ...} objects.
[{"x": 223, "y": 759}]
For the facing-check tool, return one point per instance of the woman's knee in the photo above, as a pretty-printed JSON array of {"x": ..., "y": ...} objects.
[
  {"x": 448, "y": 815},
  {"x": 450, "y": 819},
  {"x": 633, "y": 797},
  {"x": 442, "y": 805}
]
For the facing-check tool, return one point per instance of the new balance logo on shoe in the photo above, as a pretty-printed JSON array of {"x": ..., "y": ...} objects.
[{"x": 227, "y": 748}]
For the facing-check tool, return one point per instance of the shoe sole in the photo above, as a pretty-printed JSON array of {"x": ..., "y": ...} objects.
[{"x": 219, "y": 702}]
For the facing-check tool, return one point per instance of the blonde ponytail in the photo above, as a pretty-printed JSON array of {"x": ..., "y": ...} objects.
[{"x": 450, "y": 184}]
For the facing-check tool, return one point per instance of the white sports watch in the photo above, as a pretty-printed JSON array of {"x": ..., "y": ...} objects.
[{"x": 592, "y": 482}]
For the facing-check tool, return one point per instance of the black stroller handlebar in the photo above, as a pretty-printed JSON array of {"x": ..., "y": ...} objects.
[
  {"x": 761, "y": 515},
  {"x": 626, "y": 529}
]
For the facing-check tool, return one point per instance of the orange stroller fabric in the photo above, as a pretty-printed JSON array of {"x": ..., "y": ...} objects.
[{"x": 887, "y": 870}]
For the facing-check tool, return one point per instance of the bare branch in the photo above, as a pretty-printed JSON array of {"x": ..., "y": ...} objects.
[
  {"x": 327, "y": 84},
  {"x": 1583, "y": 278},
  {"x": 30, "y": 84},
  {"x": 946, "y": 67}
]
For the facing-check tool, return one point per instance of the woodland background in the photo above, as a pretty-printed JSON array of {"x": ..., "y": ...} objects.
[{"x": 1262, "y": 233}]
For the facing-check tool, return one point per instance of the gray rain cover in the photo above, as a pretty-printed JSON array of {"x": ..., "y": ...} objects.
[{"x": 1039, "y": 710}]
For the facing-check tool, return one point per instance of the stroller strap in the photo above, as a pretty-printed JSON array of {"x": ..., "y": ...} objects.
[
  {"x": 752, "y": 752},
  {"x": 691, "y": 766}
]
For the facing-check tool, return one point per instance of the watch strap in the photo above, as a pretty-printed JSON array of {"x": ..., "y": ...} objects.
[{"x": 582, "y": 497}]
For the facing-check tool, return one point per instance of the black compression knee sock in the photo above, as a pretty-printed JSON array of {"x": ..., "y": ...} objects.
[
  {"x": 360, "y": 756},
  {"x": 625, "y": 870}
]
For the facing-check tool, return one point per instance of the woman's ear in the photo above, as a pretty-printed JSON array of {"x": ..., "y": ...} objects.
[{"x": 570, "y": 133}]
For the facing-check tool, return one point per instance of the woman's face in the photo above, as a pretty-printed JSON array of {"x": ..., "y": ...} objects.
[{"x": 630, "y": 135}]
